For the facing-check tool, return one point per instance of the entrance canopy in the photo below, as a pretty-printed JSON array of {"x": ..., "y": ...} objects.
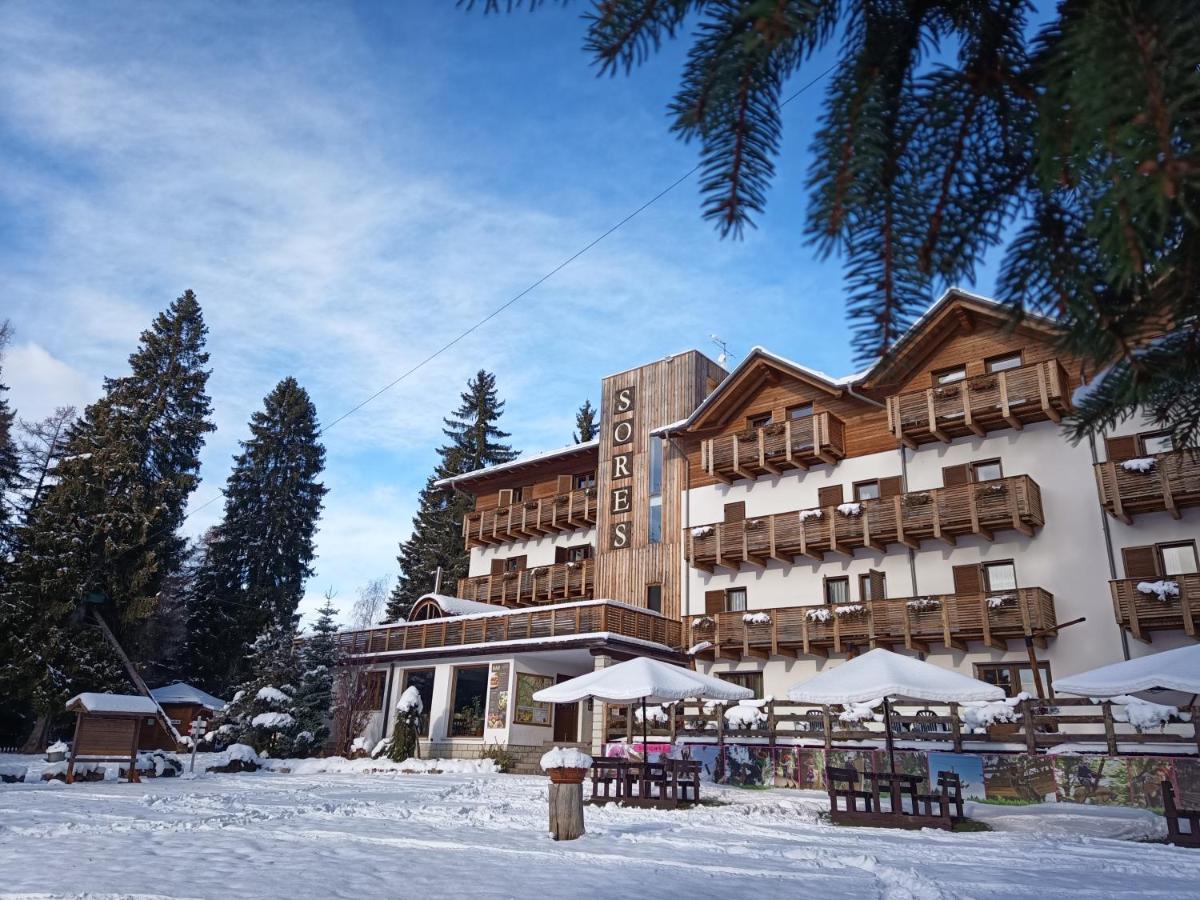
[
  {"x": 1171, "y": 670},
  {"x": 881, "y": 673},
  {"x": 642, "y": 679}
]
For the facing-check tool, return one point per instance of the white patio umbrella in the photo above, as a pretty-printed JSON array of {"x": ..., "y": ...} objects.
[
  {"x": 882, "y": 673},
  {"x": 1171, "y": 670},
  {"x": 642, "y": 679}
]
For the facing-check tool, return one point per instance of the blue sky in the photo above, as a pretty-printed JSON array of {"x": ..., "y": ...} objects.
[{"x": 345, "y": 188}]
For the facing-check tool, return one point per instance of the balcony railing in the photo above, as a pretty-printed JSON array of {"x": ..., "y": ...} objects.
[
  {"x": 1171, "y": 603},
  {"x": 983, "y": 403},
  {"x": 953, "y": 620},
  {"x": 529, "y": 587},
  {"x": 1162, "y": 482},
  {"x": 944, "y": 513},
  {"x": 771, "y": 449},
  {"x": 531, "y": 518},
  {"x": 588, "y": 617}
]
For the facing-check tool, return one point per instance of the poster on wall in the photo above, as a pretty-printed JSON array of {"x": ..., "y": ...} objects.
[
  {"x": 497, "y": 703},
  {"x": 527, "y": 710}
]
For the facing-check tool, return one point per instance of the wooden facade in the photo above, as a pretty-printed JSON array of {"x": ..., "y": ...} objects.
[
  {"x": 531, "y": 587},
  {"x": 1162, "y": 482},
  {"x": 1145, "y": 605},
  {"x": 539, "y": 513}
]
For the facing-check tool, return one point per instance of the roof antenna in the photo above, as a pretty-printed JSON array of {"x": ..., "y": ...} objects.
[{"x": 724, "y": 357}]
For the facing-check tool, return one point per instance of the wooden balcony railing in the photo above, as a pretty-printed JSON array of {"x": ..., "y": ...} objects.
[
  {"x": 944, "y": 513},
  {"x": 531, "y": 518},
  {"x": 529, "y": 587},
  {"x": 981, "y": 404},
  {"x": 1170, "y": 603},
  {"x": 1169, "y": 483},
  {"x": 587, "y": 617},
  {"x": 953, "y": 620},
  {"x": 771, "y": 449}
]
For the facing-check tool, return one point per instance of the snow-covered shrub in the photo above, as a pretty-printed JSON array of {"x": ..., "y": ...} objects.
[
  {"x": 501, "y": 757},
  {"x": 656, "y": 714},
  {"x": 158, "y": 764},
  {"x": 998, "y": 600},
  {"x": 702, "y": 531},
  {"x": 747, "y": 714},
  {"x": 1142, "y": 714},
  {"x": 849, "y": 609},
  {"x": 1164, "y": 590},
  {"x": 810, "y": 514},
  {"x": 565, "y": 758},
  {"x": 850, "y": 510},
  {"x": 704, "y": 622},
  {"x": 978, "y": 715},
  {"x": 1141, "y": 466},
  {"x": 761, "y": 618},
  {"x": 920, "y": 604},
  {"x": 861, "y": 712},
  {"x": 237, "y": 758},
  {"x": 409, "y": 708},
  {"x": 819, "y": 614}
]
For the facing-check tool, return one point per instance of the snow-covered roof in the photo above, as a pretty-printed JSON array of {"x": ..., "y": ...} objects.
[
  {"x": 457, "y": 606},
  {"x": 641, "y": 678},
  {"x": 524, "y": 460},
  {"x": 179, "y": 692},
  {"x": 881, "y": 673},
  {"x": 1172, "y": 670},
  {"x": 134, "y": 704}
]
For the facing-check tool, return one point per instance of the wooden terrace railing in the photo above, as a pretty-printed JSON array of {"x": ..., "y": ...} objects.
[
  {"x": 915, "y": 623},
  {"x": 771, "y": 449},
  {"x": 1169, "y": 483},
  {"x": 529, "y": 587},
  {"x": 1169, "y": 603},
  {"x": 587, "y": 617},
  {"x": 982, "y": 403},
  {"x": 943, "y": 513},
  {"x": 531, "y": 518}
]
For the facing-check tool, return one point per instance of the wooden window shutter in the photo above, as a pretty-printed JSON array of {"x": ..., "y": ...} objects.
[
  {"x": 968, "y": 579},
  {"x": 890, "y": 487},
  {"x": 714, "y": 602},
  {"x": 953, "y": 476},
  {"x": 878, "y": 584},
  {"x": 504, "y": 497},
  {"x": 1140, "y": 562},
  {"x": 560, "y": 554},
  {"x": 1119, "y": 449},
  {"x": 735, "y": 512},
  {"x": 563, "y": 484},
  {"x": 497, "y": 567},
  {"x": 830, "y": 495}
]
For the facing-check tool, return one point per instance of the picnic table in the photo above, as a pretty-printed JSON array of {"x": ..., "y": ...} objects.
[{"x": 664, "y": 784}]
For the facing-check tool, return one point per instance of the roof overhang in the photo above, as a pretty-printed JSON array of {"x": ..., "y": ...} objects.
[{"x": 550, "y": 462}]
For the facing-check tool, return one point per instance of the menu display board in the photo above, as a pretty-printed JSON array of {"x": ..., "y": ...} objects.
[
  {"x": 529, "y": 711},
  {"x": 497, "y": 698}
]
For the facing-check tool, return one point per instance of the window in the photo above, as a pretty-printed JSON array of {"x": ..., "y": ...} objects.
[
  {"x": 422, "y": 680},
  {"x": 735, "y": 600},
  {"x": 585, "y": 481},
  {"x": 864, "y": 586},
  {"x": 1157, "y": 443},
  {"x": 999, "y": 576},
  {"x": 466, "y": 706},
  {"x": 837, "y": 590},
  {"x": 760, "y": 421},
  {"x": 1178, "y": 559},
  {"x": 518, "y": 494},
  {"x": 514, "y": 564},
  {"x": 801, "y": 411},
  {"x": 1013, "y": 678},
  {"x": 866, "y": 490},
  {"x": 950, "y": 376},
  {"x": 986, "y": 470},
  {"x": 370, "y": 690},
  {"x": 654, "y": 528},
  {"x": 579, "y": 553},
  {"x": 1002, "y": 363},
  {"x": 654, "y": 597},
  {"x": 752, "y": 680},
  {"x": 654, "y": 532}
]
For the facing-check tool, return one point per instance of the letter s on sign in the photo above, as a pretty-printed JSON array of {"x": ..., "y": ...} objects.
[
  {"x": 624, "y": 402},
  {"x": 620, "y": 535}
]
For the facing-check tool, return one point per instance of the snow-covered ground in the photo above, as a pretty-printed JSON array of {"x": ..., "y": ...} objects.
[{"x": 400, "y": 835}]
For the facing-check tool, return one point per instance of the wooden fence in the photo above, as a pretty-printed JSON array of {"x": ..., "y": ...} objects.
[
  {"x": 1145, "y": 611},
  {"x": 527, "y": 587},
  {"x": 1170, "y": 483}
]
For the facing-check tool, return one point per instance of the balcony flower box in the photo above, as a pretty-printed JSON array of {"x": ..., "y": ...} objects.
[
  {"x": 920, "y": 498},
  {"x": 703, "y": 623}
]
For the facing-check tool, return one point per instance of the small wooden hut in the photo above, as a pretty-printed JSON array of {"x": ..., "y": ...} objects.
[{"x": 107, "y": 729}]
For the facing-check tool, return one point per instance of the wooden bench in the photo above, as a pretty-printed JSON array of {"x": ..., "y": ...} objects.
[
  {"x": 608, "y": 780},
  {"x": 947, "y": 797},
  {"x": 844, "y": 784},
  {"x": 1176, "y": 816}
]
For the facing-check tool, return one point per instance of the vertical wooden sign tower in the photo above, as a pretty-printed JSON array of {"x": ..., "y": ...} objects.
[{"x": 641, "y": 479}]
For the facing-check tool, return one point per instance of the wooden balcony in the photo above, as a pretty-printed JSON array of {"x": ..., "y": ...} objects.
[
  {"x": 946, "y": 514},
  {"x": 772, "y": 449},
  {"x": 529, "y": 587},
  {"x": 952, "y": 620},
  {"x": 1166, "y": 609},
  {"x": 983, "y": 403},
  {"x": 589, "y": 617},
  {"x": 531, "y": 519},
  {"x": 1170, "y": 484}
]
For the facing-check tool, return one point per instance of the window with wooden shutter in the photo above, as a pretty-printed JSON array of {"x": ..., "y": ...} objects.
[
  {"x": 735, "y": 512},
  {"x": 560, "y": 554},
  {"x": 497, "y": 567},
  {"x": 1140, "y": 562},
  {"x": 876, "y": 585},
  {"x": 830, "y": 495},
  {"x": 1119, "y": 449},
  {"x": 563, "y": 484},
  {"x": 890, "y": 487},
  {"x": 968, "y": 579},
  {"x": 952, "y": 476},
  {"x": 504, "y": 497},
  {"x": 714, "y": 602}
]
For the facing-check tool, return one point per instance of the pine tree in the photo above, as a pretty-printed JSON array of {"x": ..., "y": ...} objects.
[
  {"x": 1076, "y": 144},
  {"x": 263, "y": 710},
  {"x": 42, "y": 447},
  {"x": 314, "y": 691},
  {"x": 585, "y": 423},
  {"x": 255, "y": 564},
  {"x": 436, "y": 539},
  {"x": 106, "y": 529},
  {"x": 10, "y": 468}
]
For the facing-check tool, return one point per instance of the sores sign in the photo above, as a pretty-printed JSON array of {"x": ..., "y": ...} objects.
[{"x": 621, "y": 496}]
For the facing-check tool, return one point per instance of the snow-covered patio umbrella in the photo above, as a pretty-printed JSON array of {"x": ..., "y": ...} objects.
[
  {"x": 1171, "y": 670},
  {"x": 883, "y": 674},
  {"x": 642, "y": 679}
]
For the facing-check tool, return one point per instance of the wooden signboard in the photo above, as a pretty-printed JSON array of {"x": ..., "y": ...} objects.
[{"x": 106, "y": 737}]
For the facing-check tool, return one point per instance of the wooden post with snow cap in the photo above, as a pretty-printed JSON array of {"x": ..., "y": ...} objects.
[{"x": 566, "y": 769}]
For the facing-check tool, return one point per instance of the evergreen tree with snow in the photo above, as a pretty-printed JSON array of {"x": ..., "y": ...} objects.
[
  {"x": 105, "y": 532},
  {"x": 263, "y": 710},
  {"x": 436, "y": 540},
  {"x": 585, "y": 423},
  {"x": 10, "y": 468},
  {"x": 254, "y": 567},
  {"x": 41, "y": 448},
  {"x": 405, "y": 742},
  {"x": 314, "y": 690}
]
